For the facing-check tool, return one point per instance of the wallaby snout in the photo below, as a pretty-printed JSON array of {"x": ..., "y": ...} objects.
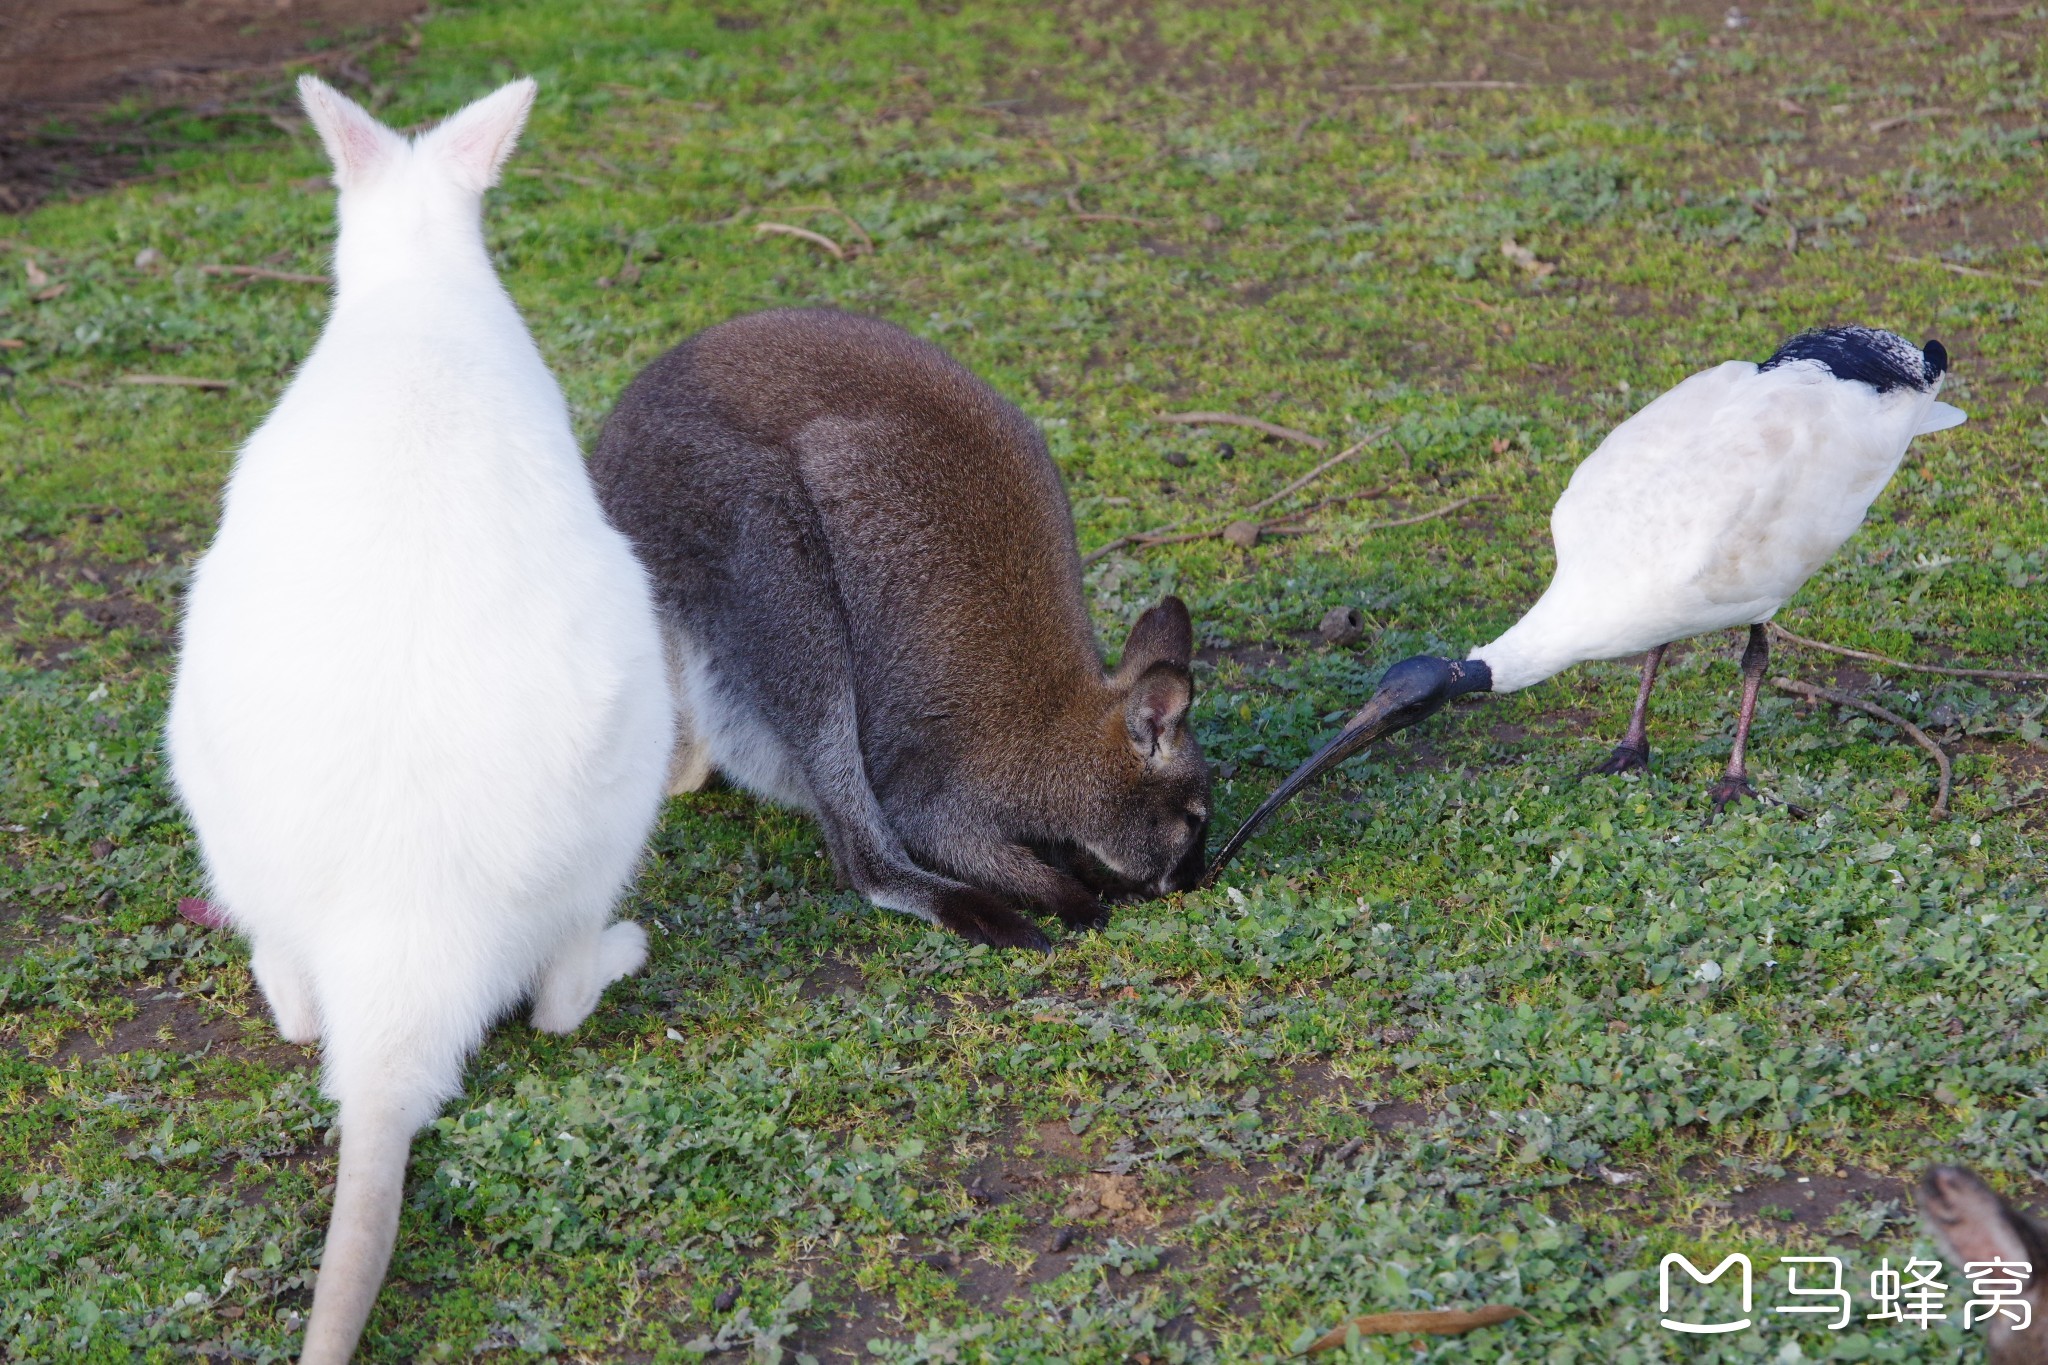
[{"x": 1983, "y": 1236}]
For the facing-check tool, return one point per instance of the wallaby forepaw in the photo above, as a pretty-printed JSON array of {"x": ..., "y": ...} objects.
[
  {"x": 1080, "y": 911},
  {"x": 979, "y": 917},
  {"x": 622, "y": 951}
]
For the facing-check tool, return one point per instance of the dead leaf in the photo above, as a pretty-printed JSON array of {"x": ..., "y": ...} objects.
[
  {"x": 1446, "y": 1322},
  {"x": 1525, "y": 258},
  {"x": 37, "y": 276},
  {"x": 1116, "y": 1196},
  {"x": 202, "y": 912},
  {"x": 1243, "y": 534}
]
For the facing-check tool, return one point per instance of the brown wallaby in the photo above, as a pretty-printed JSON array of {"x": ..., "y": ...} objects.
[
  {"x": 866, "y": 570},
  {"x": 1975, "y": 1226}
]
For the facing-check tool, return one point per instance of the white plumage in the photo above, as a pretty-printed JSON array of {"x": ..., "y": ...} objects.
[
  {"x": 1709, "y": 508},
  {"x": 1706, "y": 510}
]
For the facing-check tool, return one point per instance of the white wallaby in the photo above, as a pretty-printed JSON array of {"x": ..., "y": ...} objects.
[{"x": 421, "y": 721}]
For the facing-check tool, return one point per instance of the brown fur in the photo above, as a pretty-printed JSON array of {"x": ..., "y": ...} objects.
[
  {"x": 1974, "y": 1224},
  {"x": 869, "y": 557}
]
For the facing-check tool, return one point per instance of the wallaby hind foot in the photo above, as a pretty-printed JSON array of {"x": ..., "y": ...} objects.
[
  {"x": 570, "y": 986},
  {"x": 689, "y": 766}
]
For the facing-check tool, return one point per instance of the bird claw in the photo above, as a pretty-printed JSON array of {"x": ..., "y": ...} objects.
[
  {"x": 1729, "y": 790},
  {"x": 1626, "y": 758}
]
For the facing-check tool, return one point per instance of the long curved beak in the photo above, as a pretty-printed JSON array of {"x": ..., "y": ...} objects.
[{"x": 1375, "y": 719}]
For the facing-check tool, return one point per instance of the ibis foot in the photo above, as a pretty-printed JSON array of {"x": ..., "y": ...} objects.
[
  {"x": 1626, "y": 758},
  {"x": 1729, "y": 790}
]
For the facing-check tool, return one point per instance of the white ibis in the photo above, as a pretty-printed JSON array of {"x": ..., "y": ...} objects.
[{"x": 1704, "y": 511}]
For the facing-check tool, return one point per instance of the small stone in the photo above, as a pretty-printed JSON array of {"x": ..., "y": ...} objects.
[
  {"x": 149, "y": 258},
  {"x": 1243, "y": 534},
  {"x": 1342, "y": 626},
  {"x": 1212, "y": 222},
  {"x": 1176, "y": 459}
]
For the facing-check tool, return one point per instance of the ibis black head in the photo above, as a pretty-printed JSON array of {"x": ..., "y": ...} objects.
[
  {"x": 1865, "y": 355},
  {"x": 1411, "y": 691}
]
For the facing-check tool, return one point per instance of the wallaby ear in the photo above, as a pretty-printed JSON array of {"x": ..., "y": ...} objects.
[
  {"x": 474, "y": 142},
  {"x": 357, "y": 144},
  {"x": 1156, "y": 709},
  {"x": 1970, "y": 1222},
  {"x": 1163, "y": 635}
]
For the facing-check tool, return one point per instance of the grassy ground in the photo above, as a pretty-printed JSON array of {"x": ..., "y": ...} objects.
[{"x": 1465, "y": 1028}]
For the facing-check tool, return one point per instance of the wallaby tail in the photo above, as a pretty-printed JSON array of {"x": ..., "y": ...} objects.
[{"x": 368, "y": 1191}]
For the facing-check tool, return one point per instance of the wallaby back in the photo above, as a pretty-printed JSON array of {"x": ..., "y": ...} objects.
[
  {"x": 420, "y": 712},
  {"x": 838, "y": 486}
]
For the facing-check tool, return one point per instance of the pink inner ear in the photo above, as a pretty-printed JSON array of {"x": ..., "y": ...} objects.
[
  {"x": 360, "y": 145},
  {"x": 355, "y": 141}
]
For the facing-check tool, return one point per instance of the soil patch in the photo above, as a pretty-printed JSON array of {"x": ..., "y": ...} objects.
[
  {"x": 106, "y": 595},
  {"x": 166, "y": 1021},
  {"x": 64, "y": 62}
]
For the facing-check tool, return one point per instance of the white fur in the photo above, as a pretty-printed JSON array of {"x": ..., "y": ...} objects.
[{"x": 420, "y": 720}]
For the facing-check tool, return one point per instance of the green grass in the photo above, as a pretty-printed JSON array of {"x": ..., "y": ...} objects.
[{"x": 810, "y": 1126}]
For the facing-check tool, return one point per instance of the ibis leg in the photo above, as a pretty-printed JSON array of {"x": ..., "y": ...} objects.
[
  {"x": 1634, "y": 750},
  {"x": 1734, "y": 784}
]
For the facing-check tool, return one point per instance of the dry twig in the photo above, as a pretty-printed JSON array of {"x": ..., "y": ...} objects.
[
  {"x": 1971, "y": 271},
  {"x": 2020, "y": 804},
  {"x": 815, "y": 238},
  {"x": 1439, "y": 85},
  {"x": 176, "y": 381},
  {"x": 1231, "y": 419},
  {"x": 1443, "y": 511},
  {"x": 1442, "y": 1322},
  {"x": 2001, "y": 674},
  {"x": 1158, "y": 535},
  {"x": 1885, "y": 125},
  {"x": 1325, "y": 467},
  {"x": 1243, "y": 531},
  {"x": 263, "y": 272},
  {"x": 1081, "y": 215},
  {"x": 1912, "y": 731},
  {"x": 867, "y": 243}
]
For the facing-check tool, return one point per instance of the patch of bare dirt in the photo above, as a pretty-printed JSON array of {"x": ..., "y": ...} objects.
[
  {"x": 106, "y": 595},
  {"x": 1809, "y": 1201},
  {"x": 63, "y": 62},
  {"x": 167, "y": 1021}
]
